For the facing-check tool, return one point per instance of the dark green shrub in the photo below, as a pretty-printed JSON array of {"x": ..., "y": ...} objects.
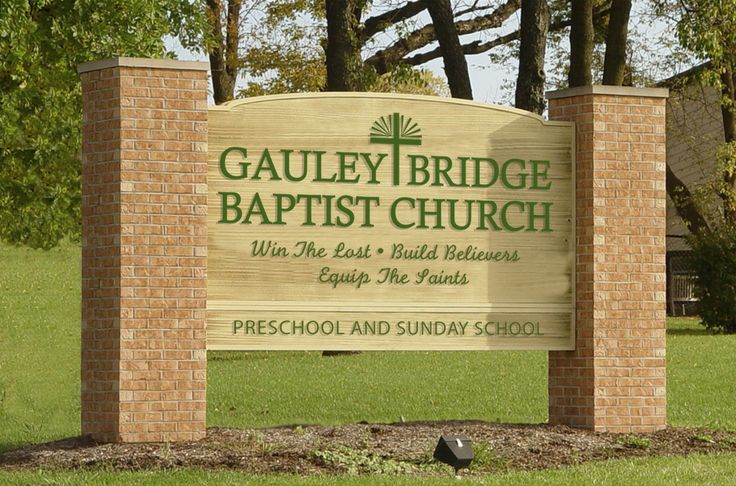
[{"x": 714, "y": 263}]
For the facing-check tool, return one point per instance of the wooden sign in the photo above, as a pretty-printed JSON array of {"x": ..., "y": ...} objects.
[{"x": 361, "y": 221}]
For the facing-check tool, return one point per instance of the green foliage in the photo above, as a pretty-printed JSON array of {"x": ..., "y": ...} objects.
[
  {"x": 708, "y": 439},
  {"x": 634, "y": 442},
  {"x": 363, "y": 462},
  {"x": 284, "y": 51},
  {"x": 728, "y": 442},
  {"x": 707, "y": 28},
  {"x": 713, "y": 261},
  {"x": 41, "y": 44},
  {"x": 405, "y": 79},
  {"x": 715, "y": 193},
  {"x": 721, "y": 180}
]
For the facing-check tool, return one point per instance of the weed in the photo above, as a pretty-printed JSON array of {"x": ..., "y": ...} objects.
[
  {"x": 486, "y": 459},
  {"x": 366, "y": 438},
  {"x": 705, "y": 438},
  {"x": 257, "y": 442},
  {"x": 32, "y": 429},
  {"x": 728, "y": 441},
  {"x": 635, "y": 442},
  {"x": 363, "y": 462},
  {"x": 164, "y": 452},
  {"x": 264, "y": 447}
]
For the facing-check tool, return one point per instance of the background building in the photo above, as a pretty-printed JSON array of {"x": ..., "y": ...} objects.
[{"x": 694, "y": 131}]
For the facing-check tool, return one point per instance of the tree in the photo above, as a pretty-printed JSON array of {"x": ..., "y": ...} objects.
[
  {"x": 41, "y": 44},
  {"x": 581, "y": 43},
  {"x": 707, "y": 28},
  {"x": 456, "y": 67},
  {"x": 343, "y": 51},
  {"x": 467, "y": 21},
  {"x": 535, "y": 18},
  {"x": 614, "y": 65},
  {"x": 277, "y": 42},
  {"x": 223, "y": 48},
  {"x": 283, "y": 45},
  {"x": 685, "y": 203}
]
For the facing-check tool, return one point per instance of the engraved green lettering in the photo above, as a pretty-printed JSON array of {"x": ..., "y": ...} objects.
[
  {"x": 225, "y": 207},
  {"x": 243, "y": 165}
]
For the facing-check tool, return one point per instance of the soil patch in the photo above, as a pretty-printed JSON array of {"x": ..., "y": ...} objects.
[{"x": 404, "y": 448}]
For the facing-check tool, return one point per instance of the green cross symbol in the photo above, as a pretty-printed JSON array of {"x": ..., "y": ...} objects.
[{"x": 397, "y": 132}]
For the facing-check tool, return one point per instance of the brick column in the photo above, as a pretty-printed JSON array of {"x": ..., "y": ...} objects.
[
  {"x": 144, "y": 244},
  {"x": 615, "y": 379}
]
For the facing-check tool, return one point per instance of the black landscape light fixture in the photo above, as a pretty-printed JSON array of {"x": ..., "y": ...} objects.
[{"x": 454, "y": 450}]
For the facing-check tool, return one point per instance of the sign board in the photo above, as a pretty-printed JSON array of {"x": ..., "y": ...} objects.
[{"x": 360, "y": 221}]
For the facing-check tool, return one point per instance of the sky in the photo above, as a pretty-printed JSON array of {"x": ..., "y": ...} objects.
[{"x": 490, "y": 82}]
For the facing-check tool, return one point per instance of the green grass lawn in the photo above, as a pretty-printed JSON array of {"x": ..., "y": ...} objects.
[
  {"x": 39, "y": 377},
  {"x": 701, "y": 387},
  {"x": 709, "y": 470}
]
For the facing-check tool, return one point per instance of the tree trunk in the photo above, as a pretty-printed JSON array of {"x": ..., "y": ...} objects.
[
  {"x": 224, "y": 52},
  {"x": 342, "y": 60},
  {"x": 456, "y": 67},
  {"x": 581, "y": 43},
  {"x": 535, "y": 17},
  {"x": 682, "y": 199},
  {"x": 614, "y": 65},
  {"x": 342, "y": 53},
  {"x": 729, "y": 133}
]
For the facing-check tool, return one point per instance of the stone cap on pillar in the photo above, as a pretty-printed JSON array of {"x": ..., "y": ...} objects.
[
  {"x": 143, "y": 62},
  {"x": 608, "y": 90}
]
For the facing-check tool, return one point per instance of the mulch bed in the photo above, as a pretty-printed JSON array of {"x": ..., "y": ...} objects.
[{"x": 369, "y": 449}]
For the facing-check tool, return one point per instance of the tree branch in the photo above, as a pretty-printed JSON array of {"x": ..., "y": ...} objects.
[
  {"x": 385, "y": 58},
  {"x": 472, "y": 8},
  {"x": 478, "y": 47},
  {"x": 683, "y": 200},
  {"x": 379, "y": 23}
]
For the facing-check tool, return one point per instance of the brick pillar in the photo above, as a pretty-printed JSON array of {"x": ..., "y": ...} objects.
[
  {"x": 144, "y": 244},
  {"x": 614, "y": 381}
]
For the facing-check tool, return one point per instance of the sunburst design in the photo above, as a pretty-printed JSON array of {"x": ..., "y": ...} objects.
[
  {"x": 396, "y": 130},
  {"x": 384, "y": 128}
]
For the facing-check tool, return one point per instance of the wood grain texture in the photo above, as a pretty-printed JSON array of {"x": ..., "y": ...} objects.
[{"x": 537, "y": 287}]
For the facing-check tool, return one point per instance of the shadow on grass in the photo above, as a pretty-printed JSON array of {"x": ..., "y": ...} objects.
[
  {"x": 8, "y": 446},
  {"x": 251, "y": 355},
  {"x": 225, "y": 356},
  {"x": 68, "y": 443},
  {"x": 690, "y": 332}
]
